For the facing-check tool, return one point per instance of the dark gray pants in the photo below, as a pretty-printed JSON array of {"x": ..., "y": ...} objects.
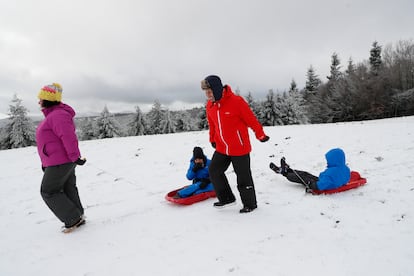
[
  {"x": 60, "y": 193},
  {"x": 302, "y": 176},
  {"x": 241, "y": 164}
]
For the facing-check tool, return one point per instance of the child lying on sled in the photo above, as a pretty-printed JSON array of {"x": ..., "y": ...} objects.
[{"x": 334, "y": 176}]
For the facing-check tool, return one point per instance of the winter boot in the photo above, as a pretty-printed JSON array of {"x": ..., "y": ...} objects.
[
  {"x": 247, "y": 209},
  {"x": 284, "y": 168},
  {"x": 223, "y": 204},
  {"x": 274, "y": 168},
  {"x": 68, "y": 229}
]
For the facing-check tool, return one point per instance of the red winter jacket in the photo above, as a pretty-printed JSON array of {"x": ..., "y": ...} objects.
[{"x": 229, "y": 119}]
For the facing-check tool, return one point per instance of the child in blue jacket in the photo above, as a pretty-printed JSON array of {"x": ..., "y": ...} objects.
[
  {"x": 198, "y": 173},
  {"x": 334, "y": 176}
]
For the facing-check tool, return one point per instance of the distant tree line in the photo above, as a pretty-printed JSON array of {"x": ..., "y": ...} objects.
[
  {"x": 380, "y": 87},
  {"x": 158, "y": 120}
]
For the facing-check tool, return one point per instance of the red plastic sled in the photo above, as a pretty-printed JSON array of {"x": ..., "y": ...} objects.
[
  {"x": 355, "y": 181},
  {"x": 188, "y": 200}
]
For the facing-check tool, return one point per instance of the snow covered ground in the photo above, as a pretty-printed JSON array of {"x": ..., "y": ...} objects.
[{"x": 132, "y": 230}]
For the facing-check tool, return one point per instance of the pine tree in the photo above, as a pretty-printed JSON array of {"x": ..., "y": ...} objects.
[
  {"x": 293, "y": 106},
  {"x": 321, "y": 107},
  {"x": 311, "y": 95},
  {"x": 377, "y": 87},
  {"x": 350, "y": 70},
  {"x": 254, "y": 106},
  {"x": 403, "y": 103},
  {"x": 86, "y": 130},
  {"x": 202, "y": 120},
  {"x": 332, "y": 97},
  {"x": 137, "y": 125},
  {"x": 344, "y": 100},
  {"x": 403, "y": 65},
  {"x": 250, "y": 100},
  {"x": 155, "y": 118},
  {"x": 375, "y": 59},
  {"x": 107, "y": 126},
  {"x": 19, "y": 131},
  {"x": 168, "y": 125},
  {"x": 335, "y": 68},
  {"x": 183, "y": 122},
  {"x": 293, "y": 87},
  {"x": 312, "y": 83},
  {"x": 349, "y": 97},
  {"x": 269, "y": 114}
]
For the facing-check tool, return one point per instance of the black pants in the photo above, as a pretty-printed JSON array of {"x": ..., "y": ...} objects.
[
  {"x": 60, "y": 193},
  {"x": 302, "y": 177},
  {"x": 241, "y": 164}
]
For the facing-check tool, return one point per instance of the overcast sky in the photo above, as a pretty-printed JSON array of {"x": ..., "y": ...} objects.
[{"x": 124, "y": 53}]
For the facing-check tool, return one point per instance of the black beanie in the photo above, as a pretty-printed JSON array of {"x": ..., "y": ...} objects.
[
  {"x": 215, "y": 84},
  {"x": 198, "y": 153}
]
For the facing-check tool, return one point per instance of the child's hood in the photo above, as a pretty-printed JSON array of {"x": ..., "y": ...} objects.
[{"x": 335, "y": 158}]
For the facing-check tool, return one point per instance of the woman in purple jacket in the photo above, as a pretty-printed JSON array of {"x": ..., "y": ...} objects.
[{"x": 57, "y": 146}]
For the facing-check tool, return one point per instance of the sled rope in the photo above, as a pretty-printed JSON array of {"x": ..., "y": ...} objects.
[{"x": 308, "y": 189}]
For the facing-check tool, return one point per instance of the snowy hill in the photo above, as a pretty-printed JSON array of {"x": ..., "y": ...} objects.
[{"x": 132, "y": 230}]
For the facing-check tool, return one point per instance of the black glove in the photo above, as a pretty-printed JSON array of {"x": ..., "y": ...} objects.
[
  {"x": 197, "y": 166},
  {"x": 80, "y": 161},
  {"x": 204, "y": 183},
  {"x": 213, "y": 144},
  {"x": 265, "y": 139}
]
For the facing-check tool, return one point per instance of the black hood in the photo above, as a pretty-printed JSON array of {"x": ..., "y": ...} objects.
[{"x": 215, "y": 84}]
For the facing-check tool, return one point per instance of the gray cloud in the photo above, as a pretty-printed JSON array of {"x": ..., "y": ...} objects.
[{"x": 123, "y": 53}]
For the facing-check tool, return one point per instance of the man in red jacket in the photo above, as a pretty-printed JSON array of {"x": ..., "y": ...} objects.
[{"x": 229, "y": 117}]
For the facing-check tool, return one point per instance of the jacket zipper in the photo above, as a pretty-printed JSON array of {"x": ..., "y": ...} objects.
[{"x": 220, "y": 129}]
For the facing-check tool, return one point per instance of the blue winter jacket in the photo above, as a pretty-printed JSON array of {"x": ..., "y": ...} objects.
[
  {"x": 197, "y": 177},
  {"x": 337, "y": 173},
  {"x": 201, "y": 173}
]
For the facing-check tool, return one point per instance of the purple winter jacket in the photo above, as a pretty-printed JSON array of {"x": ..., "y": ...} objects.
[{"x": 56, "y": 138}]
